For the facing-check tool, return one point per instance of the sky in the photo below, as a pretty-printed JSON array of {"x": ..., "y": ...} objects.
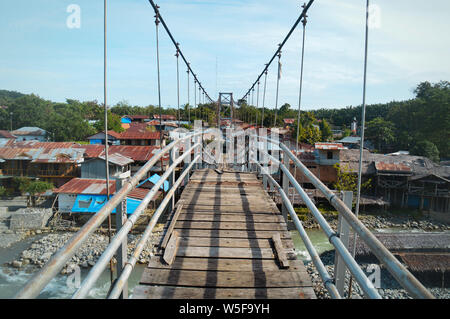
[{"x": 227, "y": 43}]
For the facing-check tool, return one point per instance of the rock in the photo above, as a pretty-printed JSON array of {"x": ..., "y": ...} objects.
[
  {"x": 17, "y": 264},
  {"x": 84, "y": 264}
]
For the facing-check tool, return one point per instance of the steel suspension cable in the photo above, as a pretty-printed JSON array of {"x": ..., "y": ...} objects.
[
  {"x": 189, "y": 98},
  {"x": 106, "y": 129},
  {"x": 278, "y": 88},
  {"x": 305, "y": 9},
  {"x": 304, "y": 21},
  {"x": 264, "y": 98},
  {"x": 195, "y": 98},
  {"x": 156, "y": 9},
  {"x": 159, "y": 78},
  {"x": 178, "y": 82},
  {"x": 361, "y": 148}
]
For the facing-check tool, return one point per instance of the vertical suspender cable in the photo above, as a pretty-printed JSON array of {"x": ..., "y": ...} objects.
[
  {"x": 178, "y": 81},
  {"x": 264, "y": 98},
  {"x": 106, "y": 133},
  {"x": 278, "y": 88},
  {"x": 257, "y": 104},
  {"x": 159, "y": 87},
  {"x": 304, "y": 21},
  {"x": 189, "y": 99},
  {"x": 195, "y": 97},
  {"x": 361, "y": 148}
]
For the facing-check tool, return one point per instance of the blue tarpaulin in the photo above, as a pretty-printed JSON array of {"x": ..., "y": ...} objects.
[
  {"x": 154, "y": 179},
  {"x": 93, "y": 203},
  {"x": 95, "y": 141}
]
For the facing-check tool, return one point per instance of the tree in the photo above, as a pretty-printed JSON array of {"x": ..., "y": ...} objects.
[
  {"x": 347, "y": 180},
  {"x": 113, "y": 122},
  {"x": 325, "y": 129},
  {"x": 380, "y": 132},
  {"x": 33, "y": 188},
  {"x": 426, "y": 149}
]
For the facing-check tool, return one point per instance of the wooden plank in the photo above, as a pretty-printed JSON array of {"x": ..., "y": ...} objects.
[
  {"x": 171, "y": 225},
  {"x": 171, "y": 292},
  {"x": 172, "y": 247},
  {"x": 214, "y": 216},
  {"x": 280, "y": 251},
  {"x": 222, "y": 233},
  {"x": 230, "y": 252},
  {"x": 232, "y": 242},
  {"x": 225, "y": 279},
  {"x": 230, "y": 225},
  {"x": 218, "y": 264},
  {"x": 229, "y": 210}
]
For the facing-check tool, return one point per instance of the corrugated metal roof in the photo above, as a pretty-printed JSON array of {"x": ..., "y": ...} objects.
[
  {"x": 329, "y": 146},
  {"x": 141, "y": 134},
  {"x": 392, "y": 167},
  {"x": 6, "y": 134},
  {"x": 96, "y": 187},
  {"x": 110, "y": 133},
  {"x": 117, "y": 159},
  {"x": 27, "y": 130},
  {"x": 165, "y": 117},
  {"x": 289, "y": 121}
]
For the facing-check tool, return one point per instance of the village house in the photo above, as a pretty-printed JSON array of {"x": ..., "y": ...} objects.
[
  {"x": 30, "y": 134},
  {"x": 100, "y": 138},
  {"x": 89, "y": 196}
]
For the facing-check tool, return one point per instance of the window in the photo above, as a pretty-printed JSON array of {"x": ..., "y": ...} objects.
[{"x": 329, "y": 155}]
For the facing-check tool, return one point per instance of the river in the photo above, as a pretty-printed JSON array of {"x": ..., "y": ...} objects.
[{"x": 12, "y": 280}]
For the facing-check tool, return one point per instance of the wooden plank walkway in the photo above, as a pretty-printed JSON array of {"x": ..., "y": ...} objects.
[{"x": 226, "y": 229}]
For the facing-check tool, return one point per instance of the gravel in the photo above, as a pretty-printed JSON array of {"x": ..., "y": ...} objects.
[
  {"x": 389, "y": 288},
  {"x": 87, "y": 255}
]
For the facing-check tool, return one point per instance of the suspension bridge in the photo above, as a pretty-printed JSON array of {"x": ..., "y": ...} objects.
[{"x": 225, "y": 237}]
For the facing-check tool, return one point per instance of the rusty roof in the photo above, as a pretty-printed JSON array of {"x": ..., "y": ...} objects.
[
  {"x": 96, "y": 187},
  {"x": 137, "y": 117},
  {"x": 110, "y": 133},
  {"x": 392, "y": 167},
  {"x": 6, "y": 134},
  {"x": 289, "y": 121},
  {"x": 329, "y": 146},
  {"x": 165, "y": 117},
  {"x": 139, "y": 134}
]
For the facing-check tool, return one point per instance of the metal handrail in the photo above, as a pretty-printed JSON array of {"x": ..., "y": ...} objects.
[
  {"x": 366, "y": 285},
  {"x": 117, "y": 240},
  {"x": 40, "y": 280},
  {"x": 326, "y": 278},
  {"x": 126, "y": 271},
  {"x": 399, "y": 271}
]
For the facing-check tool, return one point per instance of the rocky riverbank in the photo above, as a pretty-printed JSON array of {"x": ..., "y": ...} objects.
[
  {"x": 87, "y": 255},
  {"x": 389, "y": 288},
  {"x": 383, "y": 222}
]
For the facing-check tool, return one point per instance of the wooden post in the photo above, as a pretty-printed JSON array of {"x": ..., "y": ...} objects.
[
  {"x": 121, "y": 254},
  {"x": 344, "y": 234}
]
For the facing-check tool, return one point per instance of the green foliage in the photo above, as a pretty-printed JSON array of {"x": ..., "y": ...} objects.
[
  {"x": 424, "y": 118},
  {"x": 33, "y": 187},
  {"x": 3, "y": 191},
  {"x": 347, "y": 180},
  {"x": 113, "y": 122},
  {"x": 325, "y": 130},
  {"x": 380, "y": 132},
  {"x": 427, "y": 149}
]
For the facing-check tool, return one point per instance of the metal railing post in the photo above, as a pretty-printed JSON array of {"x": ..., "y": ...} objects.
[
  {"x": 285, "y": 181},
  {"x": 343, "y": 230},
  {"x": 121, "y": 254},
  {"x": 171, "y": 178}
]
